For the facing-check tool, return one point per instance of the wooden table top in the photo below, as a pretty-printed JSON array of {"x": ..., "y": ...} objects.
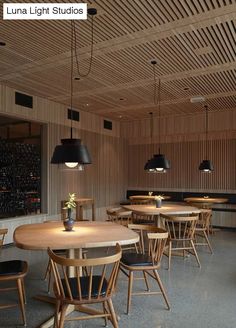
[
  {"x": 84, "y": 235},
  {"x": 81, "y": 200},
  {"x": 205, "y": 200},
  {"x": 169, "y": 209},
  {"x": 140, "y": 197}
]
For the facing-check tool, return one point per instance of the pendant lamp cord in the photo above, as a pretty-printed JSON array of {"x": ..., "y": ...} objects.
[
  {"x": 206, "y": 108},
  {"x": 74, "y": 53},
  {"x": 71, "y": 76},
  {"x": 159, "y": 114},
  {"x": 157, "y": 102},
  {"x": 91, "y": 51},
  {"x": 151, "y": 130}
]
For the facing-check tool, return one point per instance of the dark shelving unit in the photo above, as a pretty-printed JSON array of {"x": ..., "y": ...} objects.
[{"x": 20, "y": 182}]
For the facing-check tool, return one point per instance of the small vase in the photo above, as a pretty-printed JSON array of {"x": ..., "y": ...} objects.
[
  {"x": 158, "y": 203},
  {"x": 69, "y": 222}
]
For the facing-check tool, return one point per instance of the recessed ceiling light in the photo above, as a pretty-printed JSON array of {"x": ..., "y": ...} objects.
[
  {"x": 154, "y": 61},
  {"x": 2, "y": 44},
  {"x": 92, "y": 11}
]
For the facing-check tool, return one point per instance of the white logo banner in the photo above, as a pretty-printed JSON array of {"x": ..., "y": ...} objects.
[{"x": 28, "y": 11}]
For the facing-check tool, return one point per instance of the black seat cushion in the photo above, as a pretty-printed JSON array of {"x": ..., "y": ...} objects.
[
  {"x": 134, "y": 259},
  {"x": 143, "y": 221},
  {"x": 84, "y": 281},
  {"x": 11, "y": 267}
]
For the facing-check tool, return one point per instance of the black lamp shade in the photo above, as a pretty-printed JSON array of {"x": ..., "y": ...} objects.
[
  {"x": 146, "y": 166},
  {"x": 158, "y": 163},
  {"x": 71, "y": 151},
  {"x": 206, "y": 166}
]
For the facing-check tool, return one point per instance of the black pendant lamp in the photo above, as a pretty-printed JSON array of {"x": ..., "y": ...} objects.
[
  {"x": 71, "y": 154},
  {"x": 206, "y": 165},
  {"x": 158, "y": 163}
]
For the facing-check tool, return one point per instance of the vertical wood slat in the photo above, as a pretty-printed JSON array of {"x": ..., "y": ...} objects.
[{"x": 185, "y": 158}]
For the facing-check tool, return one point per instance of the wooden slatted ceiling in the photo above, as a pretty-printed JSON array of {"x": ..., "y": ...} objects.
[{"x": 194, "y": 40}]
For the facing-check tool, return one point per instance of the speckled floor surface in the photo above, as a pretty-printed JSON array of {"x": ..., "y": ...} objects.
[{"x": 200, "y": 298}]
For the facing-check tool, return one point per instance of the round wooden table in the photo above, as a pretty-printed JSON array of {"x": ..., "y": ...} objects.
[
  {"x": 145, "y": 198},
  {"x": 166, "y": 208},
  {"x": 169, "y": 209},
  {"x": 205, "y": 202},
  {"x": 87, "y": 234}
]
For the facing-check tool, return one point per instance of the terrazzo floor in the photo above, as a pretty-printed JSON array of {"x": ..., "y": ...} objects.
[{"x": 200, "y": 298}]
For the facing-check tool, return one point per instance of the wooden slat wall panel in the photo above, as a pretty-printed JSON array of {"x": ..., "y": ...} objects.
[
  {"x": 105, "y": 180},
  {"x": 49, "y": 111},
  {"x": 185, "y": 158},
  {"x": 181, "y": 128},
  {"x": 183, "y": 142}
]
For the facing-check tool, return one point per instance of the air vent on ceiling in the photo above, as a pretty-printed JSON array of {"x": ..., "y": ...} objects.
[
  {"x": 107, "y": 125},
  {"x": 197, "y": 99},
  {"x": 23, "y": 100},
  {"x": 73, "y": 115}
]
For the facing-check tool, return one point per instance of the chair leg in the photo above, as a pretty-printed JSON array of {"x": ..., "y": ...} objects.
[
  {"x": 208, "y": 241},
  {"x": 63, "y": 315},
  {"x": 146, "y": 281},
  {"x": 112, "y": 312},
  {"x": 21, "y": 299},
  {"x": 158, "y": 279},
  {"x": 47, "y": 270},
  {"x": 49, "y": 279},
  {"x": 48, "y": 273},
  {"x": 104, "y": 310},
  {"x": 131, "y": 278},
  {"x": 195, "y": 253},
  {"x": 23, "y": 290},
  {"x": 169, "y": 254},
  {"x": 58, "y": 304},
  {"x": 116, "y": 280}
]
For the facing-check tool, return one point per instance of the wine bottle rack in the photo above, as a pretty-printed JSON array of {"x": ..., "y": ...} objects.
[{"x": 20, "y": 182}]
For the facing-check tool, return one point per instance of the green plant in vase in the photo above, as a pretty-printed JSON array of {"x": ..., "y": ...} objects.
[
  {"x": 158, "y": 200},
  {"x": 70, "y": 204}
]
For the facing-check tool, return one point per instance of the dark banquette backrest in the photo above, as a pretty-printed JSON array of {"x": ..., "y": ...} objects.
[{"x": 178, "y": 196}]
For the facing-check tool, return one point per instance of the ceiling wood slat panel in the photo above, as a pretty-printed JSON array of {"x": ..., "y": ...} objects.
[{"x": 194, "y": 42}]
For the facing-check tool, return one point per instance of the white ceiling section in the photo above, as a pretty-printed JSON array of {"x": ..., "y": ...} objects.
[{"x": 194, "y": 41}]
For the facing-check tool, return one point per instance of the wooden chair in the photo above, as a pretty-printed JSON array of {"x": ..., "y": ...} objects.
[
  {"x": 202, "y": 229},
  {"x": 3, "y": 233},
  {"x": 146, "y": 262},
  {"x": 120, "y": 216},
  {"x": 181, "y": 231},
  {"x": 141, "y": 201},
  {"x": 60, "y": 252},
  {"x": 87, "y": 289},
  {"x": 143, "y": 218},
  {"x": 14, "y": 270}
]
